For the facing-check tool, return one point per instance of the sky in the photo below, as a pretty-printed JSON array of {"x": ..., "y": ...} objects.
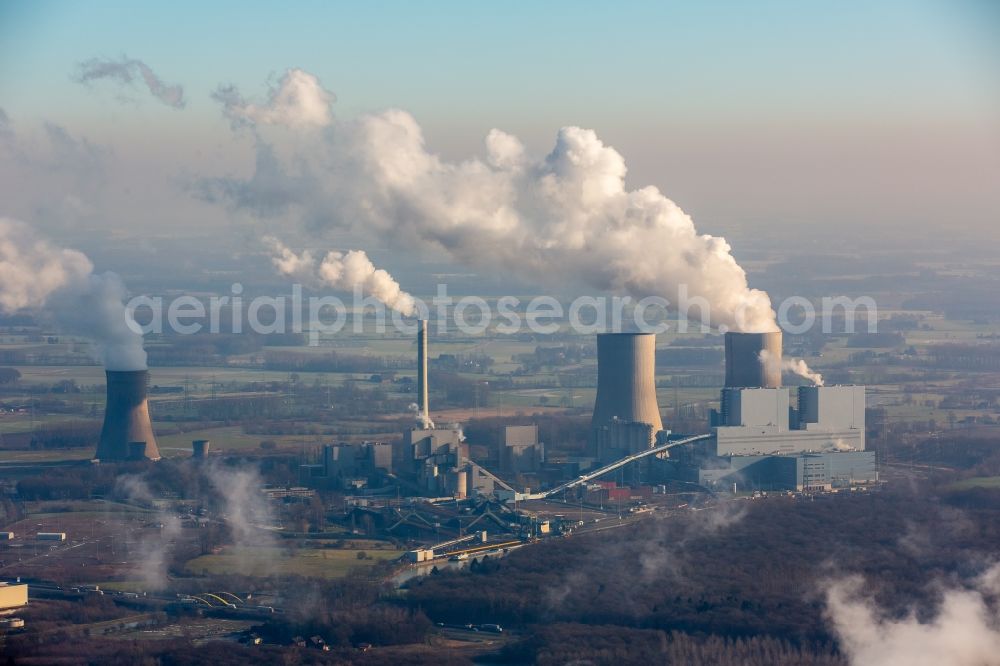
[{"x": 782, "y": 118}]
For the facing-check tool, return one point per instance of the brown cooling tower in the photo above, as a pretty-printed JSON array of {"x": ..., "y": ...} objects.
[
  {"x": 753, "y": 360},
  {"x": 626, "y": 380},
  {"x": 126, "y": 418}
]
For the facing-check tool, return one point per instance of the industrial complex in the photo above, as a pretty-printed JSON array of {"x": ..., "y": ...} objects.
[{"x": 763, "y": 437}]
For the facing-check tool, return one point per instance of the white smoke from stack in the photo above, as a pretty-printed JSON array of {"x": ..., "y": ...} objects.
[
  {"x": 342, "y": 271},
  {"x": 36, "y": 275},
  {"x": 794, "y": 365},
  {"x": 566, "y": 219},
  {"x": 423, "y": 420}
]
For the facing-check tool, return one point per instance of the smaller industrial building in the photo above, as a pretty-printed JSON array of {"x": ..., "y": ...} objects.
[
  {"x": 13, "y": 596},
  {"x": 521, "y": 452}
]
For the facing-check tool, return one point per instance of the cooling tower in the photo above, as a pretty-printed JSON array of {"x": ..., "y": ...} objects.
[
  {"x": 422, "y": 402},
  {"x": 745, "y": 365},
  {"x": 126, "y": 418},
  {"x": 626, "y": 385}
]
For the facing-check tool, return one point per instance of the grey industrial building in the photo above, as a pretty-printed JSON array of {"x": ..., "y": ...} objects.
[
  {"x": 762, "y": 441},
  {"x": 521, "y": 452}
]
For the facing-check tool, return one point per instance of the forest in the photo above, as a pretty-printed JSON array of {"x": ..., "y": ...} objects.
[{"x": 749, "y": 577}]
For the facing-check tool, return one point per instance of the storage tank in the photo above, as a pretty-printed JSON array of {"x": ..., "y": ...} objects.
[
  {"x": 753, "y": 360},
  {"x": 626, "y": 381},
  {"x": 126, "y": 417},
  {"x": 461, "y": 484},
  {"x": 199, "y": 448}
]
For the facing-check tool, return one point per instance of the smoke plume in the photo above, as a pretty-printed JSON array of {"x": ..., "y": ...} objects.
[
  {"x": 343, "y": 271},
  {"x": 36, "y": 275},
  {"x": 126, "y": 70},
  {"x": 565, "y": 219},
  {"x": 964, "y": 632},
  {"x": 245, "y": 510},
  {"x": 794, "y": 365},
  {"x": 153, "y": 548},
  {"x": 423, "y": 420}
]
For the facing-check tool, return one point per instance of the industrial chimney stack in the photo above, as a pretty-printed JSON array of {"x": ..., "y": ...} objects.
[
  {"x": 127, "y": 432},
  {"x": 753, "y": 360},
  {"x": 422, "y": 401},
  {"x": 626, "y": 380}
]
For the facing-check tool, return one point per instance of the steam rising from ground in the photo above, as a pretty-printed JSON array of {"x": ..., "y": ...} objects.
[
  {"x": 964, "y": 632},
  {"x": 565, "y": 219},
  {"x": 36, "y": 275},
  {"x": 244, "y": 508},
  {"x": 126, "y": 70},
  {"x": 660, "y": 555},
  {"x": 794, "y": 365},
  {"x": 153, "y": 549},
  {"x": 343, "y": 271}
]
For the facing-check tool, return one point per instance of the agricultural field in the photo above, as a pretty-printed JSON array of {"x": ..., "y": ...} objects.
[{"x": 277, "y": 560}]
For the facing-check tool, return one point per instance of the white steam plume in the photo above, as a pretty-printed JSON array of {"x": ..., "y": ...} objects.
[
  {"x": 794, "y": 365},
  {"x": 154, "y": 547},
  {"x": 423, "y": 420},
  {"x": 343, "y": 271},
  {"x": 964, "y": 631},
  {"x": 564, "y": 219},
  {"x": 36, "y": 275},
  {"x": 126, "y": 70},
  {"x": 246, "y": 512}
]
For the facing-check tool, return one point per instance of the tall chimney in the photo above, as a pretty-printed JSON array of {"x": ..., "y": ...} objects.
[
  {"x": 745, "y": 365},
  {"x": 422, "y": 401},
  {"x": 626, "y": 380},
  {"x": 126, "y": 418}
]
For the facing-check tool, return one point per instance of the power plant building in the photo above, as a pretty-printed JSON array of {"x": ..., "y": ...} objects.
[{"x": 762, "y": 441}]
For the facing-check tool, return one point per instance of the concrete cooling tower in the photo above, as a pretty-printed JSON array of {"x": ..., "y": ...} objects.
[
  {"x": 127, "y": 432},
  {"x": 626, "y": 383},
  {"x": 746, "y": 367}
]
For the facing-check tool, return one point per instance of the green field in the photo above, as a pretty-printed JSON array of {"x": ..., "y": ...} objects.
[
  {"x": 266, "y": 560},
  {"x": 977, "y": 482}
]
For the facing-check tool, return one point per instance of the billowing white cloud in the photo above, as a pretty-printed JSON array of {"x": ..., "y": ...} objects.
[
  {"x": 964, "y": 631},
  {"x": 31, "y": 268},
  {"x": 341, "y": 270},
  {"x": 566, "y": 219},
  {"x": 37, "y": 275},
  {"x": 298, "y": 100},
  {"x": 126, "y": 71}
]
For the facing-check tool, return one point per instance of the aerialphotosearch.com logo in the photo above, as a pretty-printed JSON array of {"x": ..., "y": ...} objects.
[{"x": 325, "y": 315}]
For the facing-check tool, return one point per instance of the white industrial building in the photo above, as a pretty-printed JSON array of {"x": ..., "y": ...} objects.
[{"x": 761, "y": 421}]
